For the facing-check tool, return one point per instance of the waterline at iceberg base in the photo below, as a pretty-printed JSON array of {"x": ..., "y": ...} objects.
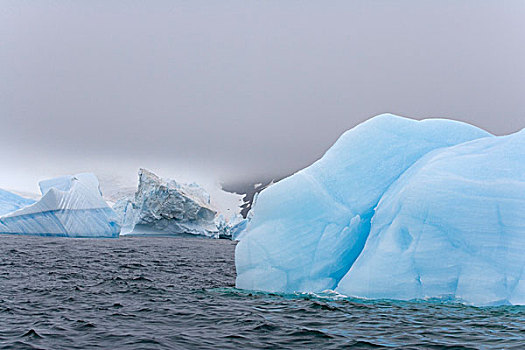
[{"x": 396, "y": 209}]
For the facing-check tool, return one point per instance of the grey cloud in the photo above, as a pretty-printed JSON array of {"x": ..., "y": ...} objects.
[{"x": 246, "y": 89}]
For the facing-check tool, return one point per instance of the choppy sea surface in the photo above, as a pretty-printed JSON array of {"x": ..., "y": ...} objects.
[{"x": 178, "y": 293}]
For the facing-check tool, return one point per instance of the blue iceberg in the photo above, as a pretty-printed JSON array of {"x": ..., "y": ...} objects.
[
  {"x": 453, "y": 225},
  {"x": 10, "y": 202},
  {"x": 71, "y": 206},
  {"x": 388, "y": 181}
]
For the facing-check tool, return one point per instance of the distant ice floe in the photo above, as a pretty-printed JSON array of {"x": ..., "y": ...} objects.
[
  {"x": 71, "y": 206},
  {"x": 398, "y": 209},
  {"x": 166, "y": 207}
]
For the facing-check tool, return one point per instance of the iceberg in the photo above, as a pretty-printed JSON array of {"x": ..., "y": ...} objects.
[
  {"x": 10, "y": 202},
  {"x": 166, "y": 207},
  {"x": 232, "y": 228},
  {"x": 308, "y": 230},
  {"x": 453, "y": 225},
  {"x": 71, "y": 206}
]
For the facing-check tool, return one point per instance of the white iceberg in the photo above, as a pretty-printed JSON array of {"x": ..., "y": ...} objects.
[
  {"x": 71, "y": 206},
  {"x": 308, "y": 229},
  {"x": 166, "y": 207},
  {"x": 232, "y": 228}
]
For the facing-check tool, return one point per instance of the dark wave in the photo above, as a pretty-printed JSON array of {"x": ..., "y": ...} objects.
[{"x": 178, "y": 293}]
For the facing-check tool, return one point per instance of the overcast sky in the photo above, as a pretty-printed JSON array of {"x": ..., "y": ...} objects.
[{"x": 240, "y": 90}]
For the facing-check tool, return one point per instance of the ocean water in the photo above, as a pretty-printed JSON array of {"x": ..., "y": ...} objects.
[{"x": 171, "y": 293}]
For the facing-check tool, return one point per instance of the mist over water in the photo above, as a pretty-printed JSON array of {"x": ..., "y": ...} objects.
[{"x": 164, "y": 293}]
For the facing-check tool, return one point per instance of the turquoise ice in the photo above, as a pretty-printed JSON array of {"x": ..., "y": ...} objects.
[
  {"x": 308, "y": 229},
  {"x": 452, "y": 226}
]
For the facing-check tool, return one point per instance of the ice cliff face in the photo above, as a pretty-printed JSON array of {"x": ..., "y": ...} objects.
[
  {"x": 167, "y": 207},
  {"x": 377, "y": 213},
  {"x": 71, "y": 206}
]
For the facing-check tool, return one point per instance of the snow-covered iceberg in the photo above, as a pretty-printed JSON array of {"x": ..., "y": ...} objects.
[
  {"x": 308, "y": 229},
  {"x": 166, "y": 207},
  {"x": 71, "y": 206}
]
